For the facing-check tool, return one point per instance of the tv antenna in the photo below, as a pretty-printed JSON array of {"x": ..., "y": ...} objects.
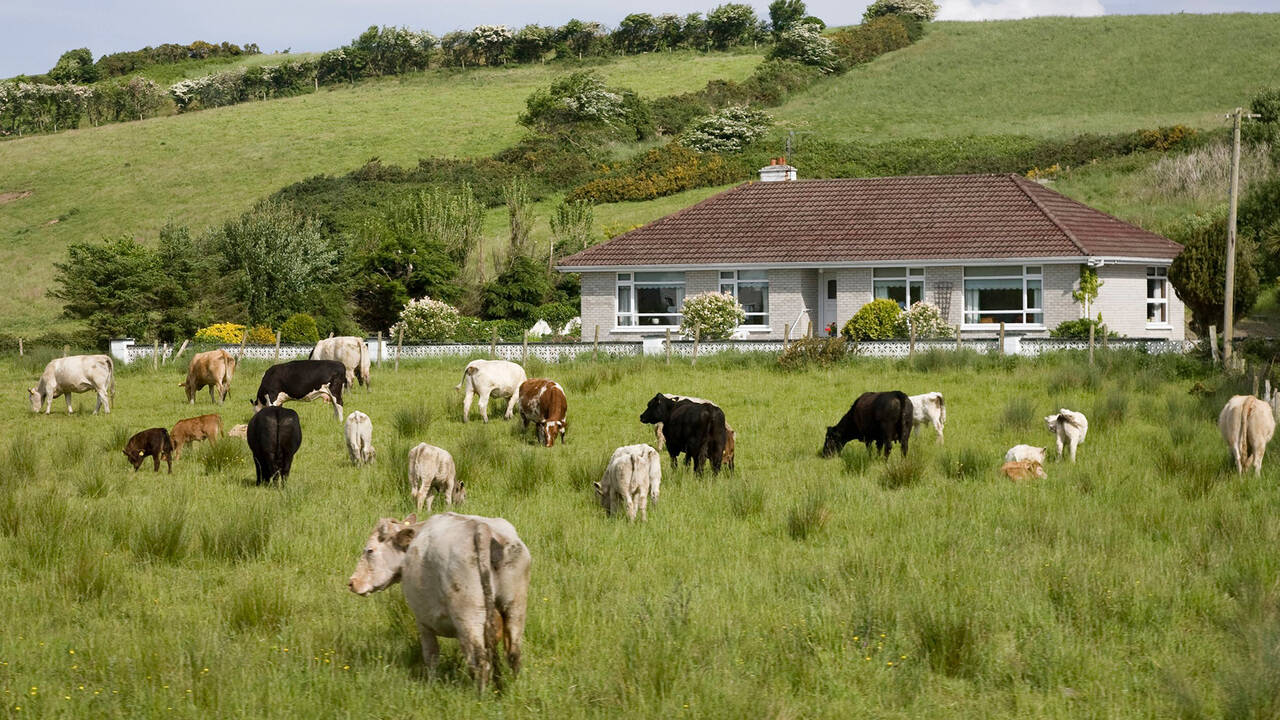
[{"x": 791, "y": 137}]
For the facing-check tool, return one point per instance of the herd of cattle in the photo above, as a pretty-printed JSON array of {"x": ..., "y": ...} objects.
[{"x": 467, "y": 576}]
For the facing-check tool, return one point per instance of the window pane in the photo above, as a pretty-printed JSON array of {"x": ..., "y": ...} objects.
[
  {"x": 624, "y": 299},
  {"x": 1157, "y": 313},
  {"x": 917, "y": 291},
  {"x": 993, "y": 301},
  {"x": 1157, "y": 271},
  {"x": 624, "y": 276},
  {"x": 728, "y": 289},
  {"x": 916, "y": 272},
  {"x": 891, "y": 272},
  {"x": 756, "y": 320},
  {"x": 754, "y": 298},
  {"x": 831, "y": 289},
  {"x": 755, "y": 275},
  {"x": 993, "y": 271},
  {"x": 659, "y": 299},
  {"x": 1155, "y": 288},
  {"x": 1034, "y": 295},
  {"x": 895, "y": 290},
  {"x": 1033, "y": 269},
  {"x": 726, "y": 274},
  {"x": 660, "y": 277}
]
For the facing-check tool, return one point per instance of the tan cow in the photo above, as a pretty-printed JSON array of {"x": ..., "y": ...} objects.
[
  {"x": 1247, "y": 425},
  {"x": 1023, "y": 470},
  {"x": 463, "y": 576},
  {"x": 213, "y": 369},
  {"x": 75, "y": 374},
  {"x": 632, "y": 478},
  {"x": 431, "y": 470},
  {"x": 204, "y": 427}
]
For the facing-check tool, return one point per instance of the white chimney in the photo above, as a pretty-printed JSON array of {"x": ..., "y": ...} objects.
[{"x": 777, "y": 170}]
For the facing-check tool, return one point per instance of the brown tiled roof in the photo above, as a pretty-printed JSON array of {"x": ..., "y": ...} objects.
[{"x": 936, "y": 217}]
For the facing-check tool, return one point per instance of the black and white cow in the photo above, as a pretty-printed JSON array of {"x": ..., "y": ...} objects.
[
  {"x": 695, "y": 428},
  {"x": 882, "y": 418},
  {"x": 274, "y": 437},
  {"x": 302, "y": 380}
]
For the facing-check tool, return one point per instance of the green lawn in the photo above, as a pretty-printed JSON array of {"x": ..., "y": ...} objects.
[
  {"x": 200, "y": 168},
  {"x": 1139, "y": 582},
  {"x": 1050, "y": 77}
]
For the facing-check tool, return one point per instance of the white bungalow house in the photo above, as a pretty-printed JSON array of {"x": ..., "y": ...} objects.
[{"x": 985, "y": 249}]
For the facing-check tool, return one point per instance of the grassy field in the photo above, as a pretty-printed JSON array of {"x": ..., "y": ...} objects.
[
  {"x": 171, "y": 73},
  {"x": 1138, "y": 583},
  {"x": 200, "y": 168},
  {"x": 1050, "y": 77}
]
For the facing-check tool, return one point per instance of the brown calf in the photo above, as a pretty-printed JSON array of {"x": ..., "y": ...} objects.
[
  {"x": 542, "y": 402},
  {"x": 214, "y": 369},
  {"x": 1023, "y": 470},
  {"x": 154, "y": 442},
  {"x": 204, "y": 427}
]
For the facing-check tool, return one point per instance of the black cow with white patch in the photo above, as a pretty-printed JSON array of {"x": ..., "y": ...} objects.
[
  {"x": 882, "y": 418},
  {"x": 695, "y": 428},
  {"x": 274, "y": 436},
  {"x": 302, "y": 380}
]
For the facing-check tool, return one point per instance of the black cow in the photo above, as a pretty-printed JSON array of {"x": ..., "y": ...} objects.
[
  {"x": 695, "y": 428},
  {"x": 154, "y": 442},
  {"x": 274, "y": 436},
  {"x": 302, "y": 380},
  {"x": 879, "y": 417}
]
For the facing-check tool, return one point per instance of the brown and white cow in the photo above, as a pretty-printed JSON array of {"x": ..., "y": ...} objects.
[
  {"x": 213, "y": 369},
  {"x": 75, "y": 374},
  {"x": 543, "y": 403},
  {"x": 1247, "y": 425},
  {"x": 204, "y": 427}
]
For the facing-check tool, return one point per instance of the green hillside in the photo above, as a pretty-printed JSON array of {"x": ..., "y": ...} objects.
[{"x": 1050, "y": 77}]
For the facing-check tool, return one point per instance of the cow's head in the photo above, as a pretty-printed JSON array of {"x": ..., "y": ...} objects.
[
  {"x": 1051, "y": 422},
  {"x": 1037, "y": 469},
  {"x": 134, "y": 456},
  {"x": 257, "y": 405},
  {"x": 459, "y": 493},
  {"x": 550, "y": 430},
  {"x": 603, "y": 497},
  {"x": 36, "y": 398},
  {"x": 833, "y": 443},
  {"x": 658, "y": 410},
  {"x": 379, "y": 565}
]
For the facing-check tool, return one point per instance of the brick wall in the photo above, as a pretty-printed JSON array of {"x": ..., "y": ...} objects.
[
  {"x": 1059, "y": 282},
  {"x": 854, "y": 288},
  {"x": 598, "y": 290},
  {"x": 787, "y": 291},
  {"x": 1122, "y": 300}
]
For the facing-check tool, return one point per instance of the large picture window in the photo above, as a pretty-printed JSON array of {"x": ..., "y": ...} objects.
[
  {"x": 650, "y": 298},
  {"x": 1008, "y": 294},
  {"x": 902, "y": 285},
  {"x": 1157, "y": 296},
  {"x": 751, "y": 288}
]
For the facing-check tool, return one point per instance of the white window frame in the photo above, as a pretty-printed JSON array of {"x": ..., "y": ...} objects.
[
  {"x": 628, "y": 282},
  {"x": 911, "y": 276},
  {"x": 1023, "y": 273},
  {"x": 1161, "y": 273},
  {"x": 730, "y": 279}
]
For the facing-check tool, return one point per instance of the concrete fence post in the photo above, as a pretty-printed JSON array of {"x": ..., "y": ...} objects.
[
  {"x": 668, "y": 346},
  {"x": 275, "y": 357},
  {"x": 1213, "y": 343},
  {"x": 1091, "y": 329},
  {"x": 595, "y": 345},
  {"x": 155, "y": 354},
  {"x": 1001, "y": 338},
  {"x": 399, "y": 344},
  {"x": 697, "y": 334},
  {"x": 493, "y": 344},
  {"x": 379, "y": 349}
]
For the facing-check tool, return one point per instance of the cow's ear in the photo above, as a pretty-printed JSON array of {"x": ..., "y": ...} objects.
[
  {"x": 599, "y": 490},
  {"x": 404, "y": 537},
  {"x": 411, "y": 519}
]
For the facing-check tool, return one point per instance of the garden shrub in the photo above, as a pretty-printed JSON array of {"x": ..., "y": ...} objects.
[
  {"x": 927, "y": 320},
  {"x": 922, "y": 10},
  {"x": 728, "y": 130},
  {"x": 1197, "y": 272},
  {"x": 581, "y": 97},
  {"x": 873, "y": 38},
  {"x": 877, "y": 320},
  {"x": 299, "y": 328},
  {"x": 1079, "y": 329},
  {"x": 261, "y": 335},
  {"x": 221, "y": 333},
  {"x": 713, "y": 315},
  {"x": 425, "y": 319},
  {"x": 806, "y": 44},
  {"x": 816, "y": 351}
]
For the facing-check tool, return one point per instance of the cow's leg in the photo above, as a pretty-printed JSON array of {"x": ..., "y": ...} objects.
[
  {"x": 1071, "y": 447},
  {"x": 1059, "y": 448},
  {"x": 466, "y": 405},
  {"x": 902, "y": 442},
  {"x": 169, "y": 460},
  {"x": 1257, "y": 460},
  {"x": 513, "y": 634},
  {"x": 426, "y": 496},
  {"x": 337, "y": 410},
  {"x": 68, "y": 399},
  {"x": 937, "y": 427},
  {"x": 471, "y": 641},
  {"x": 213, "y": 395},
  {"x": 484, "y": 404},
  {"x": 511, "y": 405},
  {"x": 155, "y": 459},
  {"x": 430, "y": 649}
]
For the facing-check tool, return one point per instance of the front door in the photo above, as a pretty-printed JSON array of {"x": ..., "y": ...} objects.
[{"x": 828, "y": 306}]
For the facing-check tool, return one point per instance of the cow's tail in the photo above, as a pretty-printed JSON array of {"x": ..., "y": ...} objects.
[
  {"x": 906, "y": 423},
  {"x": 363, "y": 374},
  {"x": 467, "y": 373},
  {"x": 942, "y": 409},
  {"x": 1242, "y": 434},
  {"x": 483, "y": 539},
  {"x": 111, "y": 380}
]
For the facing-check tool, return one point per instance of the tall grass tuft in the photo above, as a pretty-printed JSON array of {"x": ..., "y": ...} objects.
[
  {"x": 809, "y": 517},
  {"x": 901, "y": 474},
  {"x": 91, "y": 571},
  {"x": 964, "y": 464},
  {"x": 258, "y": 604},
  {"x": 592, "y": 377},
  {"x": 1074, "y": 377},
  {"x": 855, "y": 458},
  {"x": 532, "y": 468},
  {"x": 412, "y": 422},
  {"x": 948, "y": 639},
  {"x": 22, "y": 461},
  {"x": 1019, "y": 414},
  {"x": 226, "y": 454},
  {"x": 747, "y": 500},
  {"x": 117, "y": 438},
  {"x": 70, "y": 453},
  {"x": 238, "y": 536},
  {"x": 1109, "y": 410},
  {"x": 1195, "y": 474},
  {"x": 937, "y": 360},
  {"x": 160, "y": 534},
  {"x": 94, "y": 482}
]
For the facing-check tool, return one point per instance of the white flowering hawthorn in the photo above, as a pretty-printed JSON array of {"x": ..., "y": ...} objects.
[
  {"x": 714, "y": 315},
  {"x": 805, "y": 43},
  {"x": 927, "y": 320},
  {"x": 729, "y": 130},
  {"x": 427, "y": 319}
]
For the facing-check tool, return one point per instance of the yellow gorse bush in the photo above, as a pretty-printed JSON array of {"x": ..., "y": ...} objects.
[{"x": 231, "y": 333}]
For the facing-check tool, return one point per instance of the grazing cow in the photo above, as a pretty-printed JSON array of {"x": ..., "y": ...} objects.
[
  {"x": 431, "y": 470},
  {"x": 274, "y": 435},
  {"x": 498, "y": 378},
  {"x": 696, "y": 429},
  {"x": 213, "y": 369},
  {"x": 204, "y": 427},
  {"x": 1023, "y": 470},
  {"x": 1068, "y": 427},
  {"x": 75, "y": 374},
  {"x": 633, "y": 477},
  {"x": 542, "y": 402},
  {"x": 359, "y": 433},
  {"x": 930, "y": 409},
  {"x": 463, "y": 576},
  {"x": 1018, "y": 453},
  {"x": 880, "y": 417},
  {"x": 348, "y": 350},
  {"x": 302, "y": 380},
  {"x": 154, "y": 442},
  {"x": 239, "y": 431},
  {"x": 730, "y": 434},
  {"x": 1247, "y": 425}
]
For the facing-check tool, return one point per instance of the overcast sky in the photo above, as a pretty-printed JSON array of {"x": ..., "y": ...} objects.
[{"x": 33, "y": 33}]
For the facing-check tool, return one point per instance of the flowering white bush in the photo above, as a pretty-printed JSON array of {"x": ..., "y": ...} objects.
[
  {"x": 427, "y": 319},
  {"x": 715, "y": 315},
  {"x": 927, "y": 320},
  {"x": 922, "y": 10},
  {"x": 805, "y": 43},
  {"x": 729, "y": 130},
  {"x": 490, "y": 41},
  {"x": 36, "y": 107}
]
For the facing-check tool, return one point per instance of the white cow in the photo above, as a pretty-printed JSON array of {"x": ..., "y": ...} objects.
[
  {"x": 499, "y": 378},
  {"x": 1247, "y": 425},
  {"x": 348, "y": 350},
  {"x": 1069, "y": 428},
  {"x": 239, "y": 431},
  {"x": 633, "y": 477},
  {"x": 75, "y": 374},
  {"x": 930, "y": 409},
  {"x": 431, "y": 470},
  {"x": 359, "y": 432},
  {"x": 463, "y": 576},
  {"x": 1020, "y": 453}
]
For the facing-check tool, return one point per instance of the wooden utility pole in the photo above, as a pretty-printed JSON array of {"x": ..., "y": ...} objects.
[{"x": 1228, "y": 297}]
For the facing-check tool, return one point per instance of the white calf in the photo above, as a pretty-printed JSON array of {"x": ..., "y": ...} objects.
[
  {"x": 1247, "y": 425},
  {"x": 1019, "y": 453},
  {"x": 1068, "y": 427},
  {"x": 359, "y": 432},
  {"x": 491, "y": 377},
  {"x": 929, "y": 408},
  {"x": 633, "y": 477},
  {"x": 432, "y": 469}
]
